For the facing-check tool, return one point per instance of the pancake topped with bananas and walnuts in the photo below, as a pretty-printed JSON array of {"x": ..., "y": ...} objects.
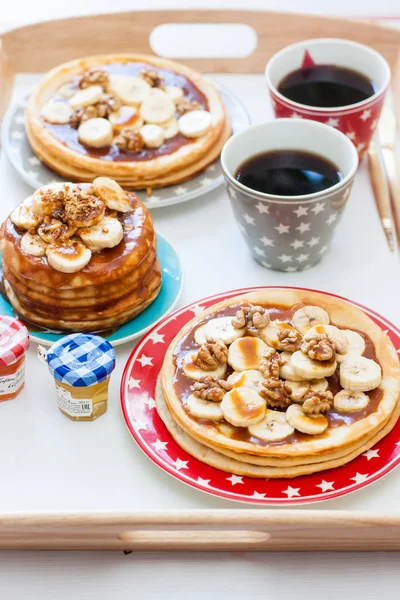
[
  {"x": 142, "y": 120},
  {"x": 279, "y": 374}
]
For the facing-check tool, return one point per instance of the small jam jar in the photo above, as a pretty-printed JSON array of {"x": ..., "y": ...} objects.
[
  {"x": 14, "y": 341},
  {"x": 81, "y": 365}
]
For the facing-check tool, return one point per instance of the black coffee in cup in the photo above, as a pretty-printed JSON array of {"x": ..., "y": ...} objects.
[{"x": 288, "y": 173}]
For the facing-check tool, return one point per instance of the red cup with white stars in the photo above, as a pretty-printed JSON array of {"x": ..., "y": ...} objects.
[{"x": 357, "y": 121}]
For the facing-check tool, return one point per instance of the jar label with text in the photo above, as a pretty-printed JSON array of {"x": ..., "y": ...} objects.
[
  {"x": 11, "y": 383},
  {"x": 73, "y": 407}
]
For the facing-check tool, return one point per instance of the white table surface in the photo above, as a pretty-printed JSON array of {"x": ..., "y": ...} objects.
[{"x": 87, "y": 466}]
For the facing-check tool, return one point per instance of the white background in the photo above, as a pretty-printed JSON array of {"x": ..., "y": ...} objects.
[{"x": 357, "y": 266}]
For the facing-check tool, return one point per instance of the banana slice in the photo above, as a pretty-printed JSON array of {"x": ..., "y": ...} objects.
[
  {"x": 270, "y": 333},
  {"x": 174, "y": 92},
  {"x": 112, "y": 194},
  {"x": 311, "y": 369},
  {"x": 170, "y": 128},
  {"x": 251, "y": 379},
  {"x": 68, "y": 258},
  {"x": 96, "y": 133},
  {"x": 194, "y": 372},
  {"x": 44, "y": 205},
  {"x": 131, "y": 90},
  {"x": 200, "y": 335},
  {"x": 346, "y": 401},
  {"x": 48, "y": 232},
  {"x": 126, "y": 116},
  {"x": 86, "y": 97},
  {"x": 246, "y": 353},
  {"x": 308, "y": 316},
  {"x": 204, "y": 409},
  {"x": 286, "y": 371},
  {"x": 157, "y": 108},
  {"x": 360, "y": 374},
  {"x": 243, "y": 407},
  {"x": 299, "y": 388},
  {"x": 221, "y": 328},
  {"x": 272, "y": 428},
  {"x": 195, "y": 123},
  {"x": 153, "y": 135},
  {"x": 33, "y": 244},
  {"x": 58, "y": 113},
  {"x": 107, "y": 233},
  {"x": 334, "y": 333},
  {"x": 302, "y": 422},
  {"x": 67, "y": 90},
  {"x": 24, "y": 217},
  {"x": 355, "y": 345}
]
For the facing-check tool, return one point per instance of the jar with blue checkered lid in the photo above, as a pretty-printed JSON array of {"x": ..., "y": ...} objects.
[{"x": 81, "y": 365}]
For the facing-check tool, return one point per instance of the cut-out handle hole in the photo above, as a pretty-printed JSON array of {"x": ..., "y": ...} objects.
[{"x": 203, "y": 40}]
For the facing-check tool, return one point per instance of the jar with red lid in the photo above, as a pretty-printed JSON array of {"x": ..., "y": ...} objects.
[{"x": 14, "y": 341}]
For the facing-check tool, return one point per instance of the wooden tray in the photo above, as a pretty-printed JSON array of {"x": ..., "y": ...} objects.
[{"x": 26, "y": 50}]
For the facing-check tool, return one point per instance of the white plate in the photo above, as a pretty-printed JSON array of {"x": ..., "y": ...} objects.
[{"x": 35, "y": 173}]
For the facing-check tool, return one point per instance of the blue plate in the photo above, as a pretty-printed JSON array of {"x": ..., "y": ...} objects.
[{"x": 162, "y": 305}]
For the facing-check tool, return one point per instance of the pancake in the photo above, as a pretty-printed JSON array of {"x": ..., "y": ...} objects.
[
  {"x": 179, "y": 153},
  {"x": 346, "y": 430},
  {"x": 79, "y": 257}
]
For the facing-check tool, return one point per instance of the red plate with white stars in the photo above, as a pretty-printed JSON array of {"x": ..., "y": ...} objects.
[{"x": 139, "y": 409}]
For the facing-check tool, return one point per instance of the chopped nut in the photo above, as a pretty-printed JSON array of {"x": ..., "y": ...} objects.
[
  {"x": 211, "y": 388},
  {"x": 183, "y": 106},
  {"x": 252, "y": 317},
  {"x": 319, "y": 347},
  {"x": 211, "y": 354},
  {"x": 94, "y": 77},
  {"x": 129, "y": 139},
  {"x": 276, "y": 393},
  {"x": 102, "y": 109},
  {"x": 81, "y": 207},
  {"x": 290, "y": 339},
  {"x": 153, "y": 78},
  {"x": 271, "y": 363},
  {"x": 316, "y": 403}
]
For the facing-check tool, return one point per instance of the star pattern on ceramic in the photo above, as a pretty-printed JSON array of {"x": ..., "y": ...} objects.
[
  {"x": 14, "y": 150},
  {"x": 242, "y": 228},
  {"x": 332, "y": 122},
  {"x": 351, "y": 135},
  {"x": 285, "y": 258},
  {"x": 291, "y": 269},
  {"x": 180, "y": 464},
  {"x": 360, "y": 477},
  {"x": 181, "y": 189},
  {"x": 266, "y": 241},
  {"x": 133, "y": 383},
  {"x": 145, "y": 360},
  {"x": 281, "y": 228},
  {"x": 150, "y": 403},
  {"x": 346, "y": 193},
  {"x": 332, "y": 218},
  {"x": 297, "y": 244},
  {"x": 17, "y": 135},
  {"x": 294, "y": 115},
  {"x": 32, "y": 173},
  {"x": 138, "y": 425},
  {"x": 232, "y": 193},
  {"x": 159, "y": 445},
  {"x": 360, "y": 146},
  {"x": 265, "y": 264},
  {"x": 157, "y": 338},
  {"x": 262, "y": 208},
  {"x": 206, "y": 181},
  {"x": 34, "y": 161},
  {"x": 366, "y": 115},
  {"x": 196, "y": 309},
  {"x": 155, "y": 198},
  {"x": 234, "y": 479},
  {"x": 302, "y": 258},
  {"x": 19, "y": 119},
  {"x": 371, "y": 454},
  {"x": 290, "y": 491},
  {"x": 259, "y": 251},
  {"x": 325, "y": 485},
  {"x": 323, "y": 249},
  {"x": 205, "y": 482},
  {"x": 301, "y": 211},
  {"x": 313, "y": 242},
  {"x": 319, "y": 207},
  {"x": 258, "y": 495},
  {"x": 303, "y": 227},
  {"x": 374, "y": 124},
  {"x": 212, "y": 168},
  {"x": 249, "y": 220}
]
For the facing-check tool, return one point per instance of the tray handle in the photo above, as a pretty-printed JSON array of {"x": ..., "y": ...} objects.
[{"x": 193, "y": 539}]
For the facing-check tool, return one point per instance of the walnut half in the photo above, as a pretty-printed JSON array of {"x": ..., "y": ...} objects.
[
  {"x": 319, "y": 347},
  {"x": 290, "y": 339},
  {"x": 276, "y": 393},
  {"x": 251, "y": 317},
  {"x": 211, "y": 388},
  {"x": 317, "y": 403},
  {"x": 211, "y": 354},
  {"x": 271, "y": 363}
]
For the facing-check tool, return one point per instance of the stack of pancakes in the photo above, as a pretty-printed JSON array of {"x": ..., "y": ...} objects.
[
  {"x": 96, "y": 279},
  {"x": 224, "y": 446}
]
